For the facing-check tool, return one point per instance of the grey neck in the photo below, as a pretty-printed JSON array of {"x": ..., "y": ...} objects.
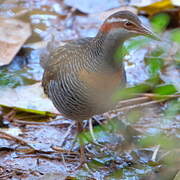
[{"x": 110, "y": 42}]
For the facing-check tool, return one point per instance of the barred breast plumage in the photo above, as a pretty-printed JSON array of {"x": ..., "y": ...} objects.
[{"x": 79, "y": 81}]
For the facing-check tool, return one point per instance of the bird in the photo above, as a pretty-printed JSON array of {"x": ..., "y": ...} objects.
[{"x": 82, "y": 76}]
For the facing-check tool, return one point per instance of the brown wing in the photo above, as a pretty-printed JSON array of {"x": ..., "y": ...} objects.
[{"x": 58, "y": 59}]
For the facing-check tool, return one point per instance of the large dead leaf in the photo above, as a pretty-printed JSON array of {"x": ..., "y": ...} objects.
[
  {"x": 13, "y": 34},
  {"x": 28, "y": 97}
]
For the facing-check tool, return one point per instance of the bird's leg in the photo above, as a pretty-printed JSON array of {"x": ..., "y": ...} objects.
[
  {"x": 92, "y": 132},
  {"x": 80, "y": 130}
]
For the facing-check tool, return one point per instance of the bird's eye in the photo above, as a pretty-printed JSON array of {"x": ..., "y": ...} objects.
[{"x": 128, "y": 24}]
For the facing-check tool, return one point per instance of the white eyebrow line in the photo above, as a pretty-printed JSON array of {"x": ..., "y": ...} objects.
[{"x": 116, "y": 20}]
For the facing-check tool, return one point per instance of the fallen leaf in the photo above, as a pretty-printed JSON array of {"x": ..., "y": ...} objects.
[
  {"x": 14, "y": 131},
  {"x": 29, "y": 97},
  {"x": 13, "y": 34},
  {"x": 53, "y": 176}
]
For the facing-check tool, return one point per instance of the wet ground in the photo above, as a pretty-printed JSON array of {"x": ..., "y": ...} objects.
[{"x": 135, "y": 143}]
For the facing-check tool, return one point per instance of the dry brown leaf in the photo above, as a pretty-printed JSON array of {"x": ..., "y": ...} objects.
[
  {"x": 28, "y": 97},
  {"x": 13, "y": 34}
]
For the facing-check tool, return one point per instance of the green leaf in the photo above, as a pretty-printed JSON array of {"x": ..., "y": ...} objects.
[
  {"x": 8, "y": 79},
  {"x": 130, "y": 92},
  {"x": 120, "y": 53},
  {"x": 116, "y": 175},
  {"x": 166, "y": 89},
  {"x": 161, "y": 139},
  {"x": 155, "y": 66},
  {"x": 160, "y": 22},
  {"x": 15, "y": 78},
  {"x": 155, "y": 62},
  {"x": 95, "y": 163},
  {"x": 101, "y": 132},
  {"x": 132, "y": 44},
  {"x": 173, "y": 108},
  {"x": 136, "y": 43},
  {"x": 158, "y": 52},
  {"x": 133, "y": 91},
  {"x": 175, "y": 35},
  {"x": 177, "y": 58}
]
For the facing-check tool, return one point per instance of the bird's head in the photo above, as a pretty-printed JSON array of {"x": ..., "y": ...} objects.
[{"x": 125, "y": 24}]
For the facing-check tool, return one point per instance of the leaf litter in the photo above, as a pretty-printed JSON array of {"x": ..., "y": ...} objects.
[{"x": 46, "y": 148}]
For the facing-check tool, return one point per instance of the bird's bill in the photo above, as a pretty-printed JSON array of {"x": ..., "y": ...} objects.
[{"x": 146, "y": 32}]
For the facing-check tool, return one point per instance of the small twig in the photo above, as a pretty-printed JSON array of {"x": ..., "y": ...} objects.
[
  {"x": 30, "y": 123},
  {"x": 48, "y": 123},
  {"x": 64, "y": 162},
  {"x": 132, "y": 101},
  {"x": 98, "y": 121},
  {"x": 164, "y": 155},
  {"x": 155, "y": 153},
  {"x": 129, "y": 104},
  {"x": 70, "y": 13},
  {"x": 143, "y": 97},
  {"x": 60, "y": 150},
  {"x": 150, "y": 95},
  {"x": 66, "y": 134},
  {"x": 50, "y": 157},
  {"x": 17, "y": 140},
  {"x": 88, "y": 169},
  {"x": 127, "y": 108},
  {"x": 91, "y": 130},
  {"x": 10, "y": 115}
]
